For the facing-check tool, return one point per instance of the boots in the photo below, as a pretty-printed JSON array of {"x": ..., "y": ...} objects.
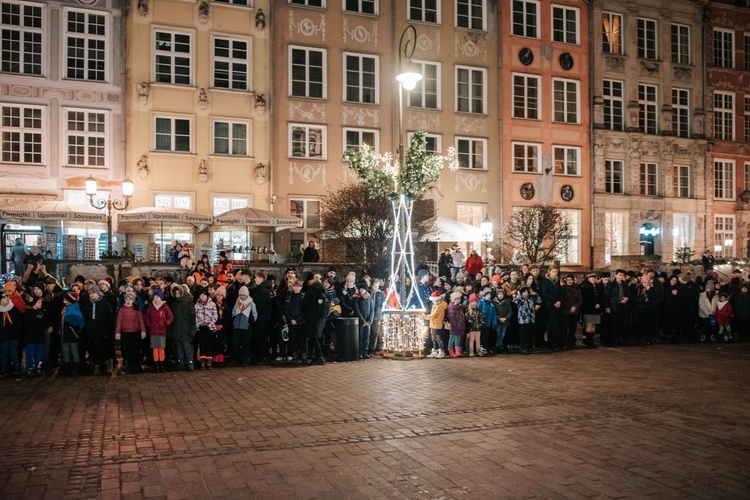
[
  {"x": 190, "y": 366},
  {"x": 452, "y": 352},
  {"x": 479, "y": 351},
  {"x": 590, "y": 341},
  {"x": 208, "y": 365},
  {"x": 440, "y": 354},
  {"x": 457, "y": 351},
  {"x": 471, "y": 352}
]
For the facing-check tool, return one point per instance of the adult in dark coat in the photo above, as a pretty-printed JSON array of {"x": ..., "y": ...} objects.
[
  {"x": 315, "y": 307},
  {"x": 592, "y": 308},
  {"x": 571, "y": 310},
  {"x": 100, "y": 327},
  {"x": 445, "y": 264},
  {"x": 618, "y": 302},
  {"x": 551, "y": 294},
  {"x": 675, "y": 310},
  {"x": 262, "y": 296}
]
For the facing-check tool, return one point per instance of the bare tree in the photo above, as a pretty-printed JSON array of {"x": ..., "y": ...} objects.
[{"x": 541, "y": 233}]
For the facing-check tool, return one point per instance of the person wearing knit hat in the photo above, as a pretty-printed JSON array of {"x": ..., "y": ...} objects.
[
  {"x": 221, "y": 291},
  {"x": 436, "y": 296},
  {"x": 73, "y": 325},
  {"x": 456, "y": 323},
  {"x": 157, "y": 292},
  {"x": 71, "y": 297},
  {"x": 131, "y": 330},
  {"x": 243, "y": 292},
  {"x": 436, "y": 318},
  {"x": 158, "y": 319},
  {"x": 473, "y": 298},
  {"x": 244, "y": 314},
  {"x": 95, "y": 289}
]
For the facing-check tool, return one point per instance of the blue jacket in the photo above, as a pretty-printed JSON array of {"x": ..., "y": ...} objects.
[
  {"x": 74, "y": 316},
  {"x": 526, "y": 311},
  {"x": 489, "y": 312}
]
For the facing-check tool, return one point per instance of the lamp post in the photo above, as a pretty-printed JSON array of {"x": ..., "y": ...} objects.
[
  {"x": 109, "y": 204},
  {"x": 486, "y": 228}
]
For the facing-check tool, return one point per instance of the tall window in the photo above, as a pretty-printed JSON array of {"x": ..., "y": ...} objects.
[
  {"x": 615, "y": 235},
  {"x": 472, "y": 214},
  {"x": 525, "y": 18},
  {"x": 724, "y": 116},
  {"x": 747, "y": 119},
  {"x": 681, "y": 112},
  {"x": 355, "y": 137},
  {"x": 648, "y": 179},
  {"x": 747, "y": 176},
  {"x": 21, "y": 38},
  {"x": 647, "y": 38},
  {"x": 307, "y": 72},
  {"x": 525, "y": 157},
  {"x": 173, "y": 134},
  {"x": 309, "y": 3},
  {"x": 680, "y": 43},
  {"x": 723, "y": 48},
  {"x": 613, "y": 105},
  {"x": 226, "y": 240},
  {"x": 361, "y": 73},
  {"x": 647, "y": 108},
  {"x": 470, "y": 14},
  {"x": 526, "y": 96},
  {"x": 86, "y": 137},
  {"x": 432, "y": 143},
  {"x": 611, "y": 33},
  {"x": 426, "y": 11},
  {"x": 724, "y": 180},
  {"x": 472, "y": 153},
  {"x": 564, "y": 24},
  {"x": 21, "y": 129},
  {"x": 614, "y": 171},
  {"x": 308, "y": 210},
  {"x": 231, "y": 63},
  {"x": 361, "y": 6},
  {"x": 427, "y": 92},
  {"x": 307, "y": 141},
  {"x": 85, "y": 40},
  {"x": 724, "y": 235},
  {"x": 470, "y": 89},
  {"x": 174, "y": 55},
  {"x": 747, "y": 52},
  {"x": 682, "y": 231},
  {"x": 572, "y": 254},
  {"x": 565, "y": 93},
  {"x": 231, "y": 138},
  {"x": 681, "y": 183},
  {"x": 567, "y": 160}
]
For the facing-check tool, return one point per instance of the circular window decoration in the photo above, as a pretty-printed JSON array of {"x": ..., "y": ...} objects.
[
  {"x": 526, "y": 56},
  {"x": 527, "y": 191},
  {"x": 567, "y": 193},
  {"x": 566, "y": 61}
]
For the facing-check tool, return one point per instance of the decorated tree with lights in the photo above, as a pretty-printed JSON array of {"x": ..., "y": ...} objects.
[{"x": 402, "y": 183}]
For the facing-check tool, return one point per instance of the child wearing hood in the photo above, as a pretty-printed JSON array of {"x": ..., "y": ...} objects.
[
  {"x": 436, "y": 318},
  {"x": 244, "y": 315},
  {"x": 73, "y": 326},
  {"x": 723, "y": 315},
  {"x": 36, "y": 325},
  {"x": 457, "y": 324},
  {"x": 158, "y": 318},
  {"x": 131, "y": 330},
  {"x": 504, "y": 311},
  {"x": 528, "y": 305},
  {"x": 490, "y": 318},
  {"x": 474, "y": 322}
]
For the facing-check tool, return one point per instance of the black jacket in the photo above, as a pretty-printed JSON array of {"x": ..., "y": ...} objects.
[
  {"x": 36, "y": 322},
  {"x": 262, "y": 297},
  {"x": 99, "y": 318}
]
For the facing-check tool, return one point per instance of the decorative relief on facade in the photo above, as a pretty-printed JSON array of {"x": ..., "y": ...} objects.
[
  {"x": 598, "y": 112},
  {"x": 202, "y": 99},
  {"x": 306, "y": 27},
  {"x": 85, "y": 96},
  {"x": 683, "y": 74},
  {"x": 143, "y": 7},
  {"x": 468, "y": 125},
  {"x": 423, "y": 121},
  {"x": 666, "y": 119},
  {"x": 599, "y": 148},
  {"x": 470, "y": 45},
  {"x": 699, "y": 121},
  {"x": 143, "y": 90},
  {"x": 633, "y": 109},
  {"x": 305, "y": 111},
  {"x": 360, "y": 117},
  {"x": 649, "y": 68},
  {"x": 615, "y": 145},
  {"x": 203, "y": 12},
  {"x": 614, "y": 63},
  {"x": 634, "y": 158},
  {"x": 360, "y": 34},
  {"x": 471, "y": 181},
  {"x": 650, "y": 148},
  {"x": 307, "y": 173},
  {"x": 427, "y": 44}
]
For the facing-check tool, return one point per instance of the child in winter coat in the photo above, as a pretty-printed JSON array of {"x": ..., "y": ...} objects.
[
  {"x": 36, "y": 325},
  {"x": 244, "y": 314},
  {"x": 365, "y": 311},
  {"x": 131, "y": 330},
  {"x": 490, "y": 318},
  {"x": 295, "y": 322},
  {"x": 10, "y": 325},
  {"x": 99, "y": 321},
  {"x": 527, "y": 306},
  {"x": 504, "y": 311},
  {"x": 73, "y": 326},
  {"x": 182, "y": 332},
  {"x": 723, "y": 315},
  {"x": 457, "y": 325},
  {"x": 205, "y": 317},
  {"x": 474, "y": 323},
  {"x": 158, "y": 318},
  {"x": 436, "y": 317}
]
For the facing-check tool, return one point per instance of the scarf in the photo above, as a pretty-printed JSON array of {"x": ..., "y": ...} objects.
[
  {"x": 6, "y": 313},
  {"x": 244, "y": 306}
]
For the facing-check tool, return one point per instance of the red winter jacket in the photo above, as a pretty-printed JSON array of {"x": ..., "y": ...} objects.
[
  {"x": 158, "y": 320},
  {"x": 724, "y": 315},
  {"x": 474, "y": 264}
]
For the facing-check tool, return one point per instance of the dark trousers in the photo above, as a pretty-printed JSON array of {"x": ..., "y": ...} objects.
[
  {"x": 297, "y": 339},
  {"x": 542, "y": 325},
  {"x": 376, "y": 338},
  {"x": 487, "y": 337},
  {"x": 241, "y": 346},
  {"x": 364, "y": 338},
  {"x": 314, "y": 334},
  {"x": 526, "y": 334},
  {"x": 620, "y": 320},
  {"x": 569, "y": 327},
  {"x": 260, "y": 340},
  {"x": 131, "y": 349},
  {"x": 554, "y": 330},
  {"x": 98, "y": 351}
]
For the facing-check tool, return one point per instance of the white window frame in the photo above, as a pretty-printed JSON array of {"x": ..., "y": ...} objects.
[
  {"x": 682, "y": 181},
  {"x": 419, "y": 90},
  {"x": 526, "y": 157},
  {"x": 87, "y": 39},
  {"x": 648, "y": 33},
  {"x": 681, "y": 112},
  {"x": 437, "y": 141},
  {"x": 680, "y": 48},
  {"x": 308, "y": 127},
  {"x": 524, "y": 98},
  {"x": 86, "y": 135},
  {"x": 472, "y": 98},
  {"x": 173, "y": 118},
  {"x": 612, "y": 242},
  {"x": 682, "y": 223},
  {"x": 231, "y": 62},
  {"x": 473, "y": 156},
  {"x": 28, "y": 31},
  {"x": 231, "y": 122},
  {"x": 236, "y": 3},
  {"x": 306, "y": 3},
  {"x": 26, "y": 134},
  {"x": 308, "y": 232},
  {"x": 525, "y": 27},
  {"x": 360, "y": 74},
  {"x": 472, "y": 214},
  {"x": 164, "y": 239},
  {"x": 307, "y": 81},
  {"x": 234, "y": 201},
  {"x": 648, "y": 110},
  {"x": 375, "y": 4},
  {"x": 648, "y": 179},
  {"x": 724, "y": 180},
  {"x": 723, "y": 55},
  {"x": 565, "y": 10},
  {"x": 360, "y": 132},
  {"x": 565, "y": 150},
  {"x": 612, "y": 168},
  {"x": 424, "y": 10},
  {"x": 565, "y": 102},
  {"x": 572, "y": 255},
  {"x": 615, "y": 46},
  {"x": 724, "y": 116},
  {"x": 470, "y": 16},
  {"x": 614, "y": 100},
  {"x": 724, "y": 232},
  {"x": 173, "y": 55}
]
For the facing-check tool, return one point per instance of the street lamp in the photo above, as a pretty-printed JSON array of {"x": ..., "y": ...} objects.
[
  {"x": 486, "y": 228},
  {"x": 109, "y": 204}
]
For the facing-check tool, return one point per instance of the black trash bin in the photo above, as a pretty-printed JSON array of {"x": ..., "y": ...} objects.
[{"x": 347, "y": 339}]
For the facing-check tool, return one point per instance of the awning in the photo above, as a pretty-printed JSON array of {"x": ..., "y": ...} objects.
[
  {"x": 159, "y": 220},
  {"x": 39, "y": 212},
  {"x": 444, "y": 230},
  {"x": 255, "y": 220}
]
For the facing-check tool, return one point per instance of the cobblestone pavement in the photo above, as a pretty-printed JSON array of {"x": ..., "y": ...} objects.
[{"x": 665, "y": 421}]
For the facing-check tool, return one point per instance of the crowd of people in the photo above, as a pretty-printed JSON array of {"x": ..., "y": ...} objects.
[{"x": 221, "y": 316}]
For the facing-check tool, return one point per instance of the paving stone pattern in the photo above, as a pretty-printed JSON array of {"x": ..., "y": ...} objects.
[{"x": 663, "y": 422}]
